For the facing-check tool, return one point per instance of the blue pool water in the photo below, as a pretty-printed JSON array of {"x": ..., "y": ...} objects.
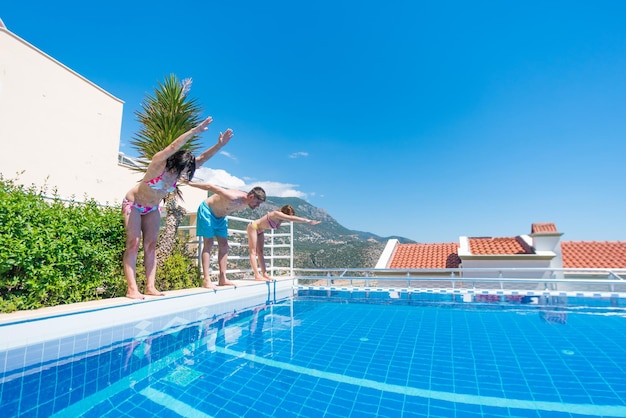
[{"x": 338, "y": 356}]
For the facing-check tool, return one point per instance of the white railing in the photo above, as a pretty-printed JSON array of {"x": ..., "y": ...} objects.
[
  {"x": 496, "y": 281},
  {"x": 278, "y": 246},
  {"x": 279, "y": 255}
]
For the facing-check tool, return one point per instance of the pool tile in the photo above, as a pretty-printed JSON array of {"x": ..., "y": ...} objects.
[{"x": 448, "y": 350}]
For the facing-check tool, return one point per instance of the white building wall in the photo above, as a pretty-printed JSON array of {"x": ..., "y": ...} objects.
[
  {"x": 385, "y": 257},
  {"x": 60, "y": 129},
  {"x": 56, "y": 126},
  {"x": 504, "y": 266},
  {"x": 549, "y": 243}
]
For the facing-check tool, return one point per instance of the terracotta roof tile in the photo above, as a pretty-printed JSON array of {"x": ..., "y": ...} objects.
[
  {"x": 575, "y": 254},
  {"x": 594, "y": 254},
  {"x": 499, "y": 246},
  {"x": 417, "y": 256},
  {"x": 543, "y": 227}
]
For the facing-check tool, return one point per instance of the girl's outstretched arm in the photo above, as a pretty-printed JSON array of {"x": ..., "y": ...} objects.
[
  {"x": 176, "y": 144},
  {"x": 221, "y": 141},
  {"x": 292, "y": 218}
]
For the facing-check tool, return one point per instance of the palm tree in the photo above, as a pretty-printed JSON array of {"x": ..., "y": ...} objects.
[{"x": 164, "y": 116}]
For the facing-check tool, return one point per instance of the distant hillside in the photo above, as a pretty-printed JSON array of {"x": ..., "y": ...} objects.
[{"x": 329, "y": 244}]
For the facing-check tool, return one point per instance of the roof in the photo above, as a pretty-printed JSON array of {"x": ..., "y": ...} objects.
[
  {"x": 499, "y": 246},
  {"x": 594, "y": 254},
  {"x": 575, "y": 254},
  {"x": 543, "y": 228},
  {"x": 423, "y": 256}
]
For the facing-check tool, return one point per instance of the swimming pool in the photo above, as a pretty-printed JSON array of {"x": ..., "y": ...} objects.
[{"x": 336, "y": 355}]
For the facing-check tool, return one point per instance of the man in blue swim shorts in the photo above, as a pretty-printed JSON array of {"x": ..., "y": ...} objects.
[{"x": 212, "y": 223}]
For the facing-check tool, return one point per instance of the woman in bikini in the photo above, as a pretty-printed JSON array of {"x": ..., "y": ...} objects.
[
  {"x": 141, "y": 204},
  {"x": 256, "y": 236}
]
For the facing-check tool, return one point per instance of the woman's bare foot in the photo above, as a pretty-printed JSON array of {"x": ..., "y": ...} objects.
[
  {"x": 135, "y": 295},
  {"x": 208, "y": 284},
  {"x": 226, "y": 282},
  {"x": 262, "y": 279},
  {"x": 269, "y": 278},
  {"x": 154, "y": 292}
]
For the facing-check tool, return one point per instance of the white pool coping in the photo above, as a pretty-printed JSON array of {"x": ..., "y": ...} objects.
[{"x": 24, "y": 328}]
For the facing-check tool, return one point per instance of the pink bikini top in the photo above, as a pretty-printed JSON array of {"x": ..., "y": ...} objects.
[
  {"x": 157, "y": 184},
  {"x": 272, "y": 224}
]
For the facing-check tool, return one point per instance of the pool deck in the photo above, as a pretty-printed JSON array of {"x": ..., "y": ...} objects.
[{"x": 29, "y": 327}]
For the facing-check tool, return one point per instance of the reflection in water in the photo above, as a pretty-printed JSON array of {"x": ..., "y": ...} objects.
[
  {"x": 255, "y": 334},
  {"x": 551, "y": 309}
]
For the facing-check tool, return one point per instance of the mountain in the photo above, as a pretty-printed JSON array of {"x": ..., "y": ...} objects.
[{"x": 326, "y": 245}]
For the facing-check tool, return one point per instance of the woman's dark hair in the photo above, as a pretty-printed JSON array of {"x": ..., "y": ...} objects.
[
  {"x": 288, "y": 210},
  {"x": 183, "y": 162}
]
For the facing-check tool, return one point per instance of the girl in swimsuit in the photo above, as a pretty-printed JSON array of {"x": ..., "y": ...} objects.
[
  {"x": 141, "y": 204},
  {"x": 256, "y": 236}
]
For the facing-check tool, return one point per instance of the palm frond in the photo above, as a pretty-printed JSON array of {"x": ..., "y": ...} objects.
[{"x": 164, "y": 116}]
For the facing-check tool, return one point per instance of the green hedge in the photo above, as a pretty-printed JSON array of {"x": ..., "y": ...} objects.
[{"x": 55, "y": 252}]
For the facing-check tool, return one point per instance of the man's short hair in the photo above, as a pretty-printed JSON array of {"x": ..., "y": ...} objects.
[{"x": 259, "y": 193}]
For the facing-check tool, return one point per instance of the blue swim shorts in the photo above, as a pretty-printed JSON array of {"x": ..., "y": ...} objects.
[{"x": 208, "y": 225}]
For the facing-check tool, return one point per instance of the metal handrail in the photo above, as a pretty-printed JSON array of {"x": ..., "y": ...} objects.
[
  {"x": 549, "y": 277},
  {"x": 600, "y": 282},
  {"x": 612, "y": 272}
]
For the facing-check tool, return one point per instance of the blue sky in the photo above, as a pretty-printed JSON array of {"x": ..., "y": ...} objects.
[{"x": 427, "y": 120}]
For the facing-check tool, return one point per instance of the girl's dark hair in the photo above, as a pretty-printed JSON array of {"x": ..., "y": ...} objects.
[{"x": 183, "y": 162}]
